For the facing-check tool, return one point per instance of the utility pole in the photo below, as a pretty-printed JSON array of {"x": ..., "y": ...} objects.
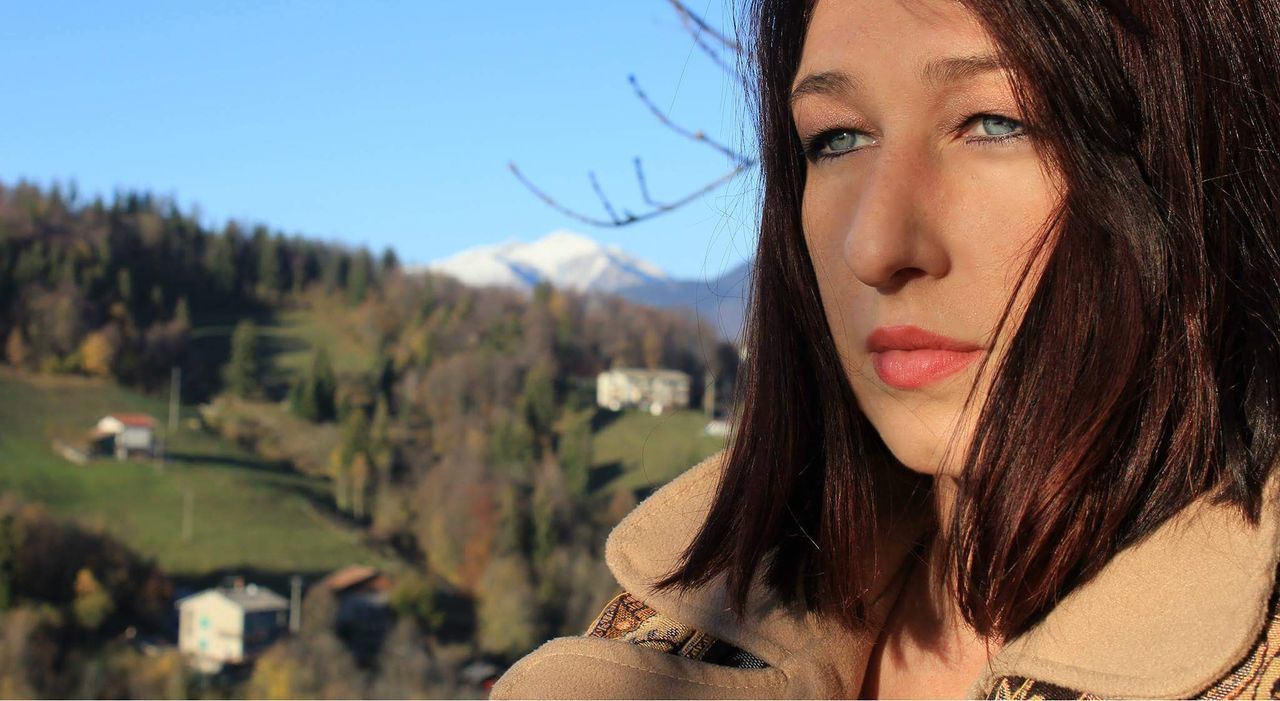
[
  {"x": 188, "y": 517},
  {"x": 295, "y": 604},
  {"x": 175, "y": 394}
]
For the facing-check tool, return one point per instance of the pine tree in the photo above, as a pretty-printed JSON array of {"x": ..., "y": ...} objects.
[
  {"x": 381, "y": 450},
  {"x": 270, "y": 272},
  {"x": 312, "y": 395},
  {"x": 575, "y": 455},
  {"x": 182, "y": 313},
  {"x": 358, "y": 274},
  {"x": 243, "y": 373},
  {"x": 538, "y": 399}
]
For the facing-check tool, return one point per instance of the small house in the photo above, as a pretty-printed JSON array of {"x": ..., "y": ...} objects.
[
  {"x": 230, "y": 624},
  {"x": 655, "y": 391},
  {"x": 124, "y": 436},
  {"x": 364, "y": 614}
]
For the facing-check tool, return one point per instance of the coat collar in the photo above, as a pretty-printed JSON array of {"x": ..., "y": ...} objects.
[{"x": 1165, "y": 618}]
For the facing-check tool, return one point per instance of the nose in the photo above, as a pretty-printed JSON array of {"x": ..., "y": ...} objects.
[{"x": 893, "y": 237}]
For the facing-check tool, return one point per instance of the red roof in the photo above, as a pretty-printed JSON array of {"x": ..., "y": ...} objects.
[
  {"x": 135, "y": 420},
  {"x": 347, "y": 577}
]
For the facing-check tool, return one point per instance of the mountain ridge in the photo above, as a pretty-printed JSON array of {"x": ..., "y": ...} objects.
[{"x": 576, "y": 262}]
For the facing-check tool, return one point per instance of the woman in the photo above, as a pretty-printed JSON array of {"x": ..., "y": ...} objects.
[{"x": 1013, "y": 383}]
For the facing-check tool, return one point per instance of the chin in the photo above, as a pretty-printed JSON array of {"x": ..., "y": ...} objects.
[{"x": 921, "y": 447}]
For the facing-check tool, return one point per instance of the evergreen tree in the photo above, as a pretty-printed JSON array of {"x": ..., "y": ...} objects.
[
  {"x": 182, "y": 313},
  {"x": 381, "y": 449},
  {"x": 8, "y": 557},
  {"x": 334, "y": 271},
  {"x": 270, "y": 267},
  {"x": 575, "y": 455},
  {"x": 312, "y": 395},
  {"x": 243, "y": 373},
  {"x": 538, "y": 399},
  {"x": 512, "y": 448},
  {"x": 358, "y": 274},
  {"x": 390, "y": 261}
]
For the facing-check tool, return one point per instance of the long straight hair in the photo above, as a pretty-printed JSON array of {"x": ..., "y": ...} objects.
[{"x": 1143, "y": 374}]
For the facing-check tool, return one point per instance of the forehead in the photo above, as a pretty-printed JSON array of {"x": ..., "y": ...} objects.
[{"x": 861, "y": 36}]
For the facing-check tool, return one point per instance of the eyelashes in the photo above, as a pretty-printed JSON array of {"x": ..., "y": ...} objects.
[{"x": 838, "y": 141}]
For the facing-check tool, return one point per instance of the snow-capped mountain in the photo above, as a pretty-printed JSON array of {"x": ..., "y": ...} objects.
[{"x": 563, "y": 258}]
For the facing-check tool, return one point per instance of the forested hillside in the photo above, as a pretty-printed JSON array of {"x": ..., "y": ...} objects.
[{"x": 455, "y": 427}]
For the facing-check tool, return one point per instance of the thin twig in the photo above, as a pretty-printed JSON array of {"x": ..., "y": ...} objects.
[
  {"x": 690, "y": 16},
  {"x": 696, "y": 29},
  {"x": 628, "y": 217},
  {"x": 698, "y": 136},
  {"x": 595, "y": 185},
  {"x": 644, "y": 186}
]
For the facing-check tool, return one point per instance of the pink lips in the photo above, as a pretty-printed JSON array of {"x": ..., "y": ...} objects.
[{"x": 908, "y": 357}]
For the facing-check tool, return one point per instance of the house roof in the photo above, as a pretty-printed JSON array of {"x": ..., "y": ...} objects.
[
  {"x": 347, "y": 577},
  {"x": 662, "y": 373},
  {"x": 134, "y": 420},
  {"x": 249, "y": 598},
  {"x": 252, "y": 597}
]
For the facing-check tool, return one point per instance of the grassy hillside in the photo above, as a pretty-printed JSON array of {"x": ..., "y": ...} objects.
[
  {"x": 247, "y": 513},
  {"x": 635, "y": 450}
]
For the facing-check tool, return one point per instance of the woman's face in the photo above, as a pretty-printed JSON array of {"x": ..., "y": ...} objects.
[{"x": 924, "y": 199}]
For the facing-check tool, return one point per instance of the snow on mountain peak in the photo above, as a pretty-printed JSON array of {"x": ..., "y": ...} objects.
[{"x": 563, "y": 258}]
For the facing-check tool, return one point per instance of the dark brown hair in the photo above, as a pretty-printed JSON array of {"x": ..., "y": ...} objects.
[{"x": 1145, "y": 372}]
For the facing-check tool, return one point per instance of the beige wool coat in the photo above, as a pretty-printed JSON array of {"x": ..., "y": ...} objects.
[{"x": 1187, "y": 612}]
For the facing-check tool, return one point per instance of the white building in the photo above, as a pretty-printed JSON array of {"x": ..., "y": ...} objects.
[
  {"x": 126, "y": 434},
  {"x": 656, "y": 391},
  {"x": 229, "y": 625}
]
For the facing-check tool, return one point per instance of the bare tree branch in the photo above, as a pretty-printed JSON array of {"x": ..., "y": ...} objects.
[
  {"x": 687, "y": 15},
  {"x": 698, "y": 136},
  {"x": 627, "y": 217},
  {"x": 698, "y": 29},
  {"x": 644, "y": 186},
  {"x": 595, "y": 185}
]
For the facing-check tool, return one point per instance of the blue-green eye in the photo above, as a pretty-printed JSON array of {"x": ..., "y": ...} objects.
[
  {"x": 836, "y": 142},
  {"x": 995, "y": 126}
]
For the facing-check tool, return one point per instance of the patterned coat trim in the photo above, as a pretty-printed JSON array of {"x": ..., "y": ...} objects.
[{"x": 628, "y": 619}]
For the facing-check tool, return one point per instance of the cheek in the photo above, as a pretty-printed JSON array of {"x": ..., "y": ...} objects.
[
  {"x": 827, "y": 213},
  {"x": 996, "y": 226}
]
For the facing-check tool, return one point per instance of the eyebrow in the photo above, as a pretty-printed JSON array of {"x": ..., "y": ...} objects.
[{"x": 936, "y": 72}]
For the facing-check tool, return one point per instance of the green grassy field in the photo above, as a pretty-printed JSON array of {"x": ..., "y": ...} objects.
[
  {"x": 293, "y": 336},
  {"x": 246, "y": 514},
  {"x": 638, "y": 451}
]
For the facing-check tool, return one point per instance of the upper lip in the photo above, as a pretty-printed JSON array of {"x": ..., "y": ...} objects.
[{"x": 908, "y": 338}]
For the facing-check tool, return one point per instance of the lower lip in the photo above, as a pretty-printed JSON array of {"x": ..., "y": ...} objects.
[{"x": 912, "y": 369}]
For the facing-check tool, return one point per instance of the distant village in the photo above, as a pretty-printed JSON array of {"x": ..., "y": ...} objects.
[{"x": 225, "y": 628}]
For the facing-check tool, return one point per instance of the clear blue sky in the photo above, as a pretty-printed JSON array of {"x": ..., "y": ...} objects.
[{"x": 378, "y": 123}]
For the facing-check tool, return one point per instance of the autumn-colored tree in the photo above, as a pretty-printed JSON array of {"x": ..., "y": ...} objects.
[
  {"x": 98, "y": 352},
  {"x": 15, "y": 348},
  {"x": 92, "y": 604},
  {"x": 507, "y": 612},
  {"x": 416, "y": 597},
  {"x": 651, "y": 348},
  {"x": 361, "y": 475}
]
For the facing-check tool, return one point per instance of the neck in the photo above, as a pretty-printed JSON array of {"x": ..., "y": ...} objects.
[{"x": 931, "y": 586}]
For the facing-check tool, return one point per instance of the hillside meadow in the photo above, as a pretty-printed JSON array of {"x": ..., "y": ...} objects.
[{"x": 247, "y": 513}]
